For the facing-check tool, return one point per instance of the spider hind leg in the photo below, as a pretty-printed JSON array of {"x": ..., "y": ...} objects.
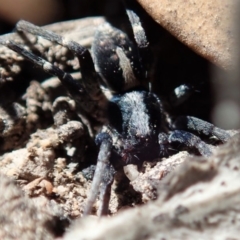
[
  {"x": 89, "y": 75},
  {"x": 87, "y": 93},
  {"x": 74, "y": 87}
]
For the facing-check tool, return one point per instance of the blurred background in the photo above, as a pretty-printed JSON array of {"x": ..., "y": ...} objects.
[{"x": 42, "y": 12}]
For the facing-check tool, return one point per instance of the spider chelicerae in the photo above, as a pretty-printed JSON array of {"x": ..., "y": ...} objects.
[{"x": 134, "y": 124}]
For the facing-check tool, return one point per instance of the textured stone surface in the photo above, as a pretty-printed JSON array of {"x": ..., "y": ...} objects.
[{"x": 205, "y": 26}]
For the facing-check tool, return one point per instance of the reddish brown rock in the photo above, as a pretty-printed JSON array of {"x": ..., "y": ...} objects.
[{"x": 205, "y": 26}]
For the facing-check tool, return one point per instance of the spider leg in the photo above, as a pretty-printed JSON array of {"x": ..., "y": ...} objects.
[
  {"x": 138, "y": 31},
  {"x": 201, "y": 127},
  {"x": 105, "y": 190},
  {"x": 139, "y": 35},
  {"x": 74, "y": 87},
  {"x": 103, "y": 175},
  {"x": 180, "y": 94},
  {"x": 185, "y": 139},
  {"x": 90, "y": 77}
]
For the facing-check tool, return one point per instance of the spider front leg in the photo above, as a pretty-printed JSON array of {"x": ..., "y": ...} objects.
[
  {"x": 200, "y": 127},
  {"x": 103, "y": 176},
  {"x": 183, "y": 139}
]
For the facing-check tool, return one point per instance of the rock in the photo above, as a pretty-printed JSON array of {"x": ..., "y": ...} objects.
[{"x": 205, "y": 26}]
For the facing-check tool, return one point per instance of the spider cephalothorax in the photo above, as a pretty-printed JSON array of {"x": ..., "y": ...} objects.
[
  {"x": 133, "y": 119},
  {"x": 138, "y": 120}
]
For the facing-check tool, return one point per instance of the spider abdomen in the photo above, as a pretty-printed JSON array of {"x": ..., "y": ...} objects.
[{"x": 116, "y": 59}]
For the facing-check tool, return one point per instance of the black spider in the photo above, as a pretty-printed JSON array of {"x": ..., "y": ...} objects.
[{"x": 135, "y": 126}]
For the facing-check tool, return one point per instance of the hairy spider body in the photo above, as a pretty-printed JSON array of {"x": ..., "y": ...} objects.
[
  {"x": 135, "y": 127},
  {"x": 137, "y": 119}
]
